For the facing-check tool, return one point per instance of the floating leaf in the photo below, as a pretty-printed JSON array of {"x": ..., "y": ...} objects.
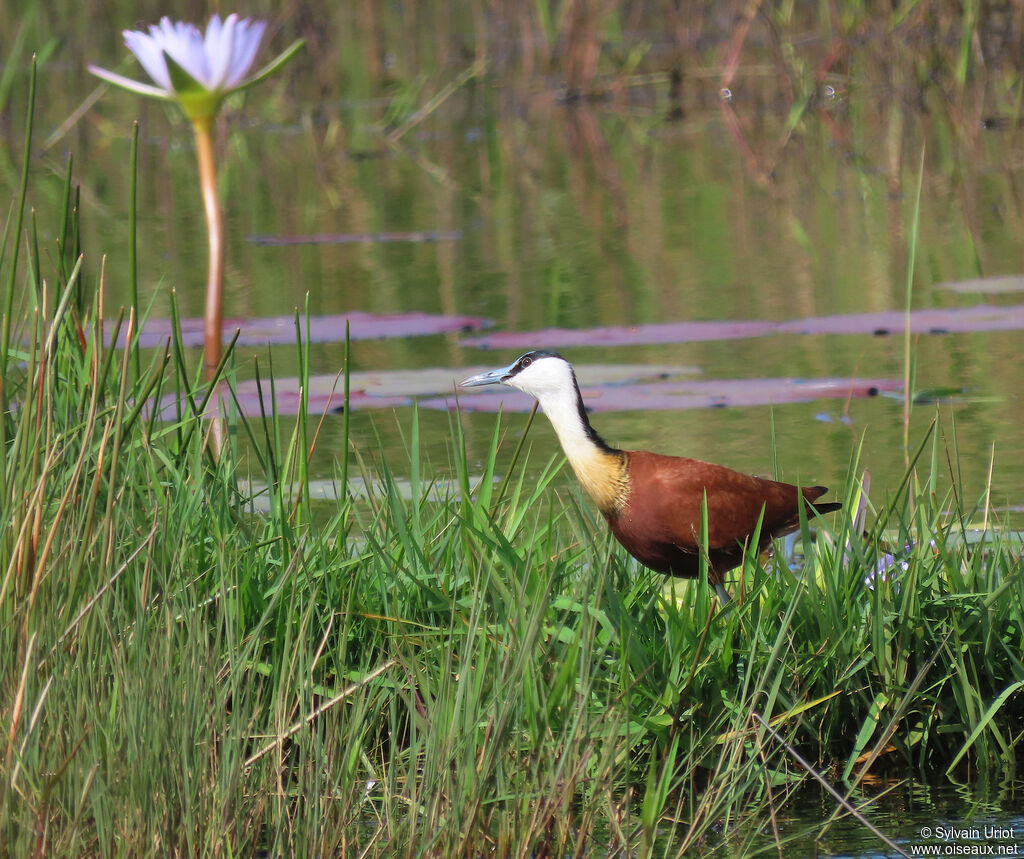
[
  {"x": 444, "y": 380},
  {"x": 326, "y": 490},
  {"x": 986, "y": 285},
  {"x": 322, "y": 329},
  {"x": 323, "y": 397},
  {"x": 622, "y": 335},
  {"x": 388, "y": 388},
  {"x": 928, "y": 321},
  {"x": 326, "y": 393},
  {"x": 356, "y": 238},
  {"x": 667, "y": 396},
  {"x": 605, "y": 388},
  {"x": 395, "y": 388}
]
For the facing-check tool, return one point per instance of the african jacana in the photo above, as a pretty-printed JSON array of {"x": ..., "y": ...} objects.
[{"x": 652, "y": 502}]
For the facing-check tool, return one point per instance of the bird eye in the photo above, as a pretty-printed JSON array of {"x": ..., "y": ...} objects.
[{"x": 527, "y": 361}]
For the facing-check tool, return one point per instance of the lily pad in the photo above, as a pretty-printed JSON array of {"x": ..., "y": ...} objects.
[
  {"x": 621, "y": 335},
  {"x": 322, "y": 329},
  {"x": 326, "y": 393},
  {"x": 395, "y": 388},
  {"x": 326, "y": 490},
  {"x": 926, "y": 321},
  {"x": 357, "y": 238},
  {"x": 986, "y": 285},
  {"x": 669, "y": 396},
  {"x": 442, "y": 380},
  {"x": 289, "y": 399}
]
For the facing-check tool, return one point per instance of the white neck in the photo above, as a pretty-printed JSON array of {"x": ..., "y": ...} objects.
[
  {"x": 597, "y": 468},
  {"x": 562, "y": 411}
]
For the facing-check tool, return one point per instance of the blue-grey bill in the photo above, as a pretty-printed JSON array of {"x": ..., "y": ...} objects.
[{"x": 491, "y": 377}]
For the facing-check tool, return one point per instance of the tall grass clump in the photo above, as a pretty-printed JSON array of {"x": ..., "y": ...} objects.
[{"x": 198, "y": 661}]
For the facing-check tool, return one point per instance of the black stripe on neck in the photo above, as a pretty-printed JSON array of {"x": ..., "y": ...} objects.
[{"x": 587, "y": 428}]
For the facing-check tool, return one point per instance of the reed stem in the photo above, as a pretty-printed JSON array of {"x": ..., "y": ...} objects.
[{"x": 19, "y": 214}]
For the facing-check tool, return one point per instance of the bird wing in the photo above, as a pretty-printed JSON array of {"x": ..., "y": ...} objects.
[{"x": 667, "y": 492}]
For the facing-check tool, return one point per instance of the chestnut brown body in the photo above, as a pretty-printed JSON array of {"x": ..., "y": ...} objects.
[{"x": 659, "y": 520}]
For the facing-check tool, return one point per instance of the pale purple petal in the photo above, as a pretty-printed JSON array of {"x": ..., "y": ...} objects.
[
  {"x": 167, "y": 31},
  {"x": 247, "y": 43},
  {"x": 185, "y": 47},
  {"x": 212, "y": 40},
  {"x": 217, "y": 46},
  {"x": 147, "y": 52},
  {"x": 179, "y": 31},
  {"x": 213, "y": 31}
]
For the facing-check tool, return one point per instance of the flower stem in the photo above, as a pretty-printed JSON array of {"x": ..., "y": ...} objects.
[
  {"x": 203, "y": 129},
  {"x": 133, "y": 268}
]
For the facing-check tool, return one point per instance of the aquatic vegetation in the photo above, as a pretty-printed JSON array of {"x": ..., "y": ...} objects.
[
  {"x": 688, "y": 394},
  {"x": 936, "y": 321},
  {"x": 280, "y": 330},
  {"x": 617, "y": 389}
]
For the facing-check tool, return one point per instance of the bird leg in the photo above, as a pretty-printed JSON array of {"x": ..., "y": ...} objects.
[{"x": 723, "y": 594}]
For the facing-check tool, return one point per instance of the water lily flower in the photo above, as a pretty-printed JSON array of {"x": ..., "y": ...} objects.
[{"x": 195, "y": 70}]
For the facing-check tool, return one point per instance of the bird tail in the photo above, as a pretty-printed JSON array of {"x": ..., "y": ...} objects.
[
  {"x": 813, "y": 493},
  {"x": 826, "y": 507}
]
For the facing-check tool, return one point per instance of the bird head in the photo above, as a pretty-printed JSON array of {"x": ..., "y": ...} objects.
[{"x": 539, "y": 373}]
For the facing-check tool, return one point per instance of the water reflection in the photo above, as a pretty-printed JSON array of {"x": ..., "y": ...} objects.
[{"x": 918, "y": 816}]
